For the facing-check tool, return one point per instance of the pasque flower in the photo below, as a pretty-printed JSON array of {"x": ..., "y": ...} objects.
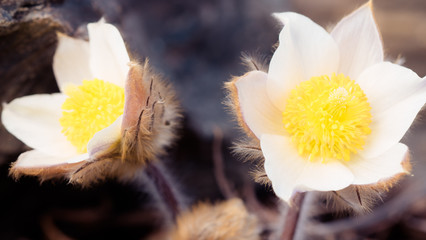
[
  {"x": 330, "y": 112},
  {"x": 105, "y": 101},
  {"x": 63, "y": 128}
]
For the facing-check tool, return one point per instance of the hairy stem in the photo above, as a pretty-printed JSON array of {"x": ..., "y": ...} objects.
[
  {"x": 292, "y": 216},
  {"x": 219, "y": 168},
  {"x": 164, "y": 188}
]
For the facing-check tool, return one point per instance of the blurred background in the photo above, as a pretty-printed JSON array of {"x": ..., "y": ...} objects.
[{"x": 197, "y": 46}]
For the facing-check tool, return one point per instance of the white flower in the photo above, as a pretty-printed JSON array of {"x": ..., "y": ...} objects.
[
  {"x": 63, "y": 132},
  {"x": 330, "y": 112}
]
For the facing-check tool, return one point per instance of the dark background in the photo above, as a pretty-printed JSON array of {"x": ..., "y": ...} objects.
[{"x": 197, "y": 45}]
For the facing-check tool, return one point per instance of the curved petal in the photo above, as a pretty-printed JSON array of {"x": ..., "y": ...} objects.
[
  {"x": 254, "y": 106},
  {"x": 396, "y": 94},
  {"x": 388, "y": 127},
  {"x": 305, "y": 50},
  {"x": 37, "y": 159},
  {"x": 289, "y": 172},
  {"x": 35, "y": 121},
  {"x": 359, "y": 41},
  {"x": 35, "y": 163},
  {"x": 105, "y": 138},
  {"x": 108, "y": 55},
  {"x": 282, "y": 164},
  {"x": 135, "y": 93},
  {"x": 329, "y": 176},
  {"x": 71, "y": 61},
  {"x": 386, "y": 84},
  {"x": 371, "y": 170}
]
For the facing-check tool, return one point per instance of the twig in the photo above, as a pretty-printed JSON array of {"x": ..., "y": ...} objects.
[
  {"x": 292, "y": 216},
  {"x": 164, "y": 188},
  {"x": 383, "y": 217},
  {"x": 51, "y": 231},
  {"x": 267, "y": 215},
  {"x": 219, "y": 169}
]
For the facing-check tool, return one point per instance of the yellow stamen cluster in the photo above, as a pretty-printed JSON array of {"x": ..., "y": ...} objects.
[
  {"x": 89, "y": 108},
  {"x": 327, "y": 117}
]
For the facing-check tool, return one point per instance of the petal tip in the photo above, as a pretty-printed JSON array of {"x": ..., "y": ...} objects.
[
  {"x": 406, "y": 165},
  {"x": 254, "y": 115},
  {"x": 28, "y": 163},
  {"x": 370, "y": 4},
  {"x": 283, "y": 17},
  {"x": 60, "y": 35},
  {"x": 277, "y": 16},
  {"x": 102, "y": 23},
  {"x": 235, "y": 106}
]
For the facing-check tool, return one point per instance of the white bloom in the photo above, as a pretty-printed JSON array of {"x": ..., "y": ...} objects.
[
  {"x": 330, "y": 112},
  {"x": 35, "y": 120}
]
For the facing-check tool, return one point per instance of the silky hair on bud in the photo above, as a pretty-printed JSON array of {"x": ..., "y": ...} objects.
[
  {"x": 247, "y": 149},
  {"x": 151, "y": 115},
  {"x": 254, "y": 63},
  {"x": 223, "y": 221}
]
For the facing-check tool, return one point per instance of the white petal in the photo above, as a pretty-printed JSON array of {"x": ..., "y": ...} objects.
[
  {"x": 108, "y": 55},
  {"x": 36, "y": 159},
  {"x": 289, "y": 172},
  {"x": 105, "y": 138},
  {"x": 329, "y": 176},
  {"x": 305, "y": 50},
  {"x": 386, "y": 84},
  {"x": 359, "y": 42},
  {"x": 282, "y": 164},
  {"x": 35, "y": 121},
  {"x": 371, "y": 170},
  {"x": 71, "y": 61},
  {"x": 257, "y": 111},
  {"x": 396, "y": 94},
  {"x": 389, "y": 127}
]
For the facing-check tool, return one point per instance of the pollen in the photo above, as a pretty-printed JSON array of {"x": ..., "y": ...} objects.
[
  {"x": 89, "y": 108},
  {"x": 328, "y": 117}
]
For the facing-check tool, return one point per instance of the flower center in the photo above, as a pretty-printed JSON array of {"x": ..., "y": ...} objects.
[
  {"x": 328, "y": 117},
  {"x": 89, "y": 108}
]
